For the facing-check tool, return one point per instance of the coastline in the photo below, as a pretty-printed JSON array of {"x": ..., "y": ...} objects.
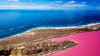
[
  {"x": 61, "y": 27},
  {"x": 33, "y": 37},
  {"x": 80, "y": 26},
  {"x": 71, "y": 27}
]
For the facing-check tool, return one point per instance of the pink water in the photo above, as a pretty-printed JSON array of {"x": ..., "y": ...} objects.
[{"x": 89, "y": 45}]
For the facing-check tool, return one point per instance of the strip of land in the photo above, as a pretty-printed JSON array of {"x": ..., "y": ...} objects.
[{"x": 37, "y": 42}]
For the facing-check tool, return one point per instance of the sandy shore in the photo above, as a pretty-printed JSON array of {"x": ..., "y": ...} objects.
[
  {"x": 81, "y": 26},
  {"x": 34, "y": 37}
]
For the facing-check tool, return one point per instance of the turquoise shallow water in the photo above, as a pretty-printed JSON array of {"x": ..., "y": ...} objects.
[{"x": 17, "y": 21}]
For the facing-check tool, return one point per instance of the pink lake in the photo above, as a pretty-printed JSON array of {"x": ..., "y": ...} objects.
[{"x": 88, "y": 44}]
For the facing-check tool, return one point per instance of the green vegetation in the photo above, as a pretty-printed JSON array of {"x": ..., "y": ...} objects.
[{"x": 16, "y": 52}]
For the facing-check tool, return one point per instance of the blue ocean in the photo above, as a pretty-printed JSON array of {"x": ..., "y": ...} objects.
[{"x": 17, "y": 21}]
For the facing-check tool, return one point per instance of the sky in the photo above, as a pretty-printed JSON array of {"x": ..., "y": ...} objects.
[{"x": 49, "y": 4}]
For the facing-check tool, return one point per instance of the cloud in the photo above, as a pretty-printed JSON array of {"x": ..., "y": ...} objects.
[
  {"x": 58, "y": 1},
  {"x": 14, "y": 0},
  {"x": 67, "y": 5},
  {"x": 40, "y": 7},
  {"x": 71, "y": 2},
  {"x": 53, "y": 5},
  {"x": 74, "y": 5}
]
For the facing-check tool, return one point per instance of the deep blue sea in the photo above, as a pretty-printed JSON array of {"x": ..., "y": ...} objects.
[{"x": 17, "y": 21}]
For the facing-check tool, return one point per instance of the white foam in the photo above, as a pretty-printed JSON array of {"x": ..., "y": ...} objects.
[{"x": 67, "y": 27}]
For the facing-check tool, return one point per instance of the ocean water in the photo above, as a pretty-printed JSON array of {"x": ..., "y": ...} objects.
[{"x": 17, "y": 21}]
